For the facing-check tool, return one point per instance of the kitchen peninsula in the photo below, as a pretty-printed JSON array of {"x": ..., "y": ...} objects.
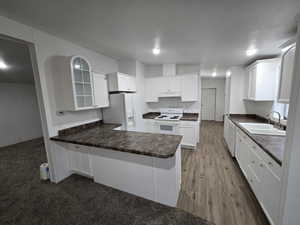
[{"x": 144, "y": 164}]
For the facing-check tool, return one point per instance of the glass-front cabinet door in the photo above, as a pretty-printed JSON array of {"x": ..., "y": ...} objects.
[{"x": 82, "y": 82}]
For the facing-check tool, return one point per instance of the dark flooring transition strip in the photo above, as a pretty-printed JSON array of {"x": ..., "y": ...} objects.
[{"x": 25, "y": 200}]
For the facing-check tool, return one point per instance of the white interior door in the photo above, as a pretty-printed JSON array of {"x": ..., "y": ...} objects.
[{"x": 208, "y": 104}]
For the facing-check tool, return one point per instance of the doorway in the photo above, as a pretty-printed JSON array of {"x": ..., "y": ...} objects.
[
  {"x": 208, "y": 104},
  {"x": 20, "y": 114}
]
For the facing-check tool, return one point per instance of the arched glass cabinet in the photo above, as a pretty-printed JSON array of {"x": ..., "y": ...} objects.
[{"x": 82, "y": 82}]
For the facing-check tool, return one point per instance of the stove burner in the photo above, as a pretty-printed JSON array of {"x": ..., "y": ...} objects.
[
  {"x": 161, "y": 117},
  {"x": 174, "y": 117}
]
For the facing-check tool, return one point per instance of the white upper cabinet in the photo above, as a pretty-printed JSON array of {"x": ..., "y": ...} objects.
[
  {"x": 170, "y": 86},
  {"x": 75, "y": 85},
  {"x": 262, "y": 80},
  {"x": 169, "y": 69},
  {"x": 185, "y": 86},
  {"x": 82, "y": 82},
  {"x": 121, "y": 82},
  {"x": 189, "y": 88},
  {"x": 152, "y": 89},
  {"x": 286, "y": 75},
  {"x": 100, "y": 90}
]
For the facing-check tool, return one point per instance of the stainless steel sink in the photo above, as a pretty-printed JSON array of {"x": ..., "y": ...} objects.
[{"x": 263, "y": 129}]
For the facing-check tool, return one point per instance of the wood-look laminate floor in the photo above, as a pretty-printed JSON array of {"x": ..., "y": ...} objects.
[{"x": 213, "y": 186}]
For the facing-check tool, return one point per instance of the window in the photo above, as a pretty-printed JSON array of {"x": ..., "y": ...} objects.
[{"x": 283, "y": 109}]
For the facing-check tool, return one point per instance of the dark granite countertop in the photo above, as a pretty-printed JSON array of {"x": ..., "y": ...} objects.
[
  {"x": 103, "y": 136},
  {"x": 271, "y": 144},
  {"x": 185, "y": 116},
  {"x": 151, "y": 115},
  {"x": 190, "y": 116}
]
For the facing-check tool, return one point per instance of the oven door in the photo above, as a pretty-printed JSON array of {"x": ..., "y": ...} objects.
[{"x": 167, "y": 127}]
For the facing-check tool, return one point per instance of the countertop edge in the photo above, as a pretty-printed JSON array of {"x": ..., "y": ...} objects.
[
  {"x": 56, "y": 138},
  {"x": 260, "y": 145}
]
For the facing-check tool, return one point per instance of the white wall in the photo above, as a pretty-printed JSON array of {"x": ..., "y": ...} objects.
[
  {"x": 259, "y": 108},
  {"x": 227, "y": 95},
  {"x": 19, "y": 115},
  {"x": 236, "y": 101},
  {"x": 141, "y": 106},
  {"x": 187, "y": 68},
  {"x": 49, "y": 48},
  {"x": 46, "y": 48},
  {"x": 153, "y": 70},
  {"x": 219, "y": 84},
  {"x": 291, "y": 176},
  {"x": 156, "y": 70}
]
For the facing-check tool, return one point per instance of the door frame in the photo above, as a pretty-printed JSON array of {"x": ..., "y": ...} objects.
[
  {"x": 41, "y": 102},
  {"x": 215, "y": 106}
]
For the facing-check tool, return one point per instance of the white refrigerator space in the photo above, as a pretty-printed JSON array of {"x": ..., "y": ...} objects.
[
  {"x": 116, "y": 112},
  {"x": 121, "y": 109},
  {"x": 129, "y": 109}
]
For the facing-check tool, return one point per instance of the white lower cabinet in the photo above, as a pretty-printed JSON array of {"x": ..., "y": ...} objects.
[
  {"x": 190, "y": 132},
  {"x": 270, "y": 194},
  {"x": 149, "y": 125},
  {"x": 79, "y": 160},
  {"x": 188, "y": 129},
  {"x": 241, "y": 153},
  {"x": 229, "y": 135},
  {"x": 262, "y": 173},
  {"x": 156, "y": 179}
]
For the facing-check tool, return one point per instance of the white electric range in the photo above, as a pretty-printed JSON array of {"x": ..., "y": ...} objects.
[{"x": 168, "y": 121}]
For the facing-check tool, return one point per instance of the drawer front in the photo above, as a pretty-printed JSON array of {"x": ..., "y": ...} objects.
[
  {"x": 254, "y": 182},
  {"x": 256, "y": 164},
  {"x": 271, "y": 163},
  {"x": 242, "y": 154},
  {"x": 267, "y": 160}
]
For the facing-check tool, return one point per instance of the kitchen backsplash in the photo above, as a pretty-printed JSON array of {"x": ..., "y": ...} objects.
[{"x": 173, "y": 102}]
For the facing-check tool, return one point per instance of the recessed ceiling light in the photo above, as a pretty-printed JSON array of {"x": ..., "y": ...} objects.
[
  {"x": 228, "y": 73},
  {"x": 3, "y": 65},
  {"x": 251, "y": 51},
  {"x": 156, "y": 51},
  {"x": 214, "y": 74}
]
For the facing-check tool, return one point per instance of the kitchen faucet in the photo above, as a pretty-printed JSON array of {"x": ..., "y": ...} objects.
[{"x": 279, "y": 118}]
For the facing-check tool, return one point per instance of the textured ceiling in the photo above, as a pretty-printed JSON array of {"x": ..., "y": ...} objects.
[{"x": 214, "y": 33}]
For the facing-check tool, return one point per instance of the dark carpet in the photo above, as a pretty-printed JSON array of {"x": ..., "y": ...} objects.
[{"x": 25, "y": 200}]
